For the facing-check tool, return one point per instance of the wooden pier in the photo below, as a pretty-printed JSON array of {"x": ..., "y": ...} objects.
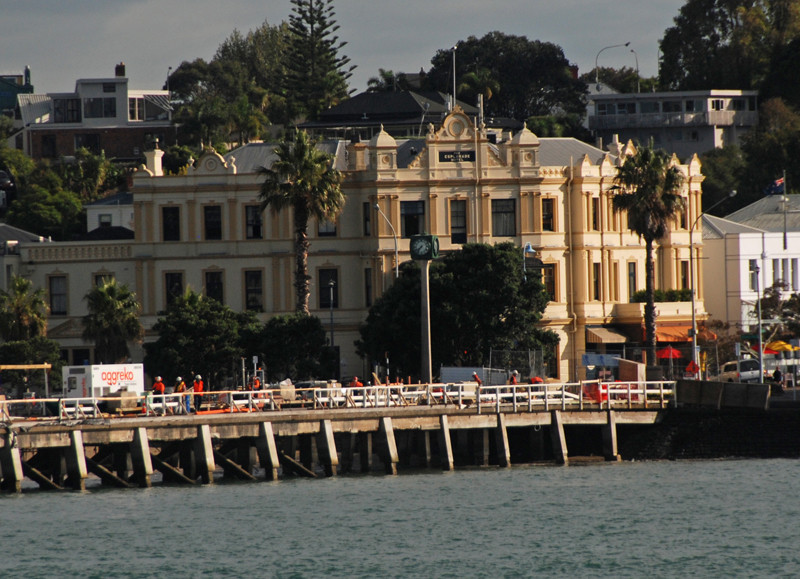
[{"x": 510, "y": 426}]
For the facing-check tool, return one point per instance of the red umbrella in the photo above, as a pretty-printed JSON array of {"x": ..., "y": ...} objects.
[{"x": 668, "y": 353}]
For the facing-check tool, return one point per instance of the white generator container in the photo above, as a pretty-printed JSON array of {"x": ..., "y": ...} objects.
[{"x": 101, "y": 380}]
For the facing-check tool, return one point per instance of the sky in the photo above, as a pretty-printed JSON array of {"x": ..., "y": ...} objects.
[{"x": 65, "y": 40}]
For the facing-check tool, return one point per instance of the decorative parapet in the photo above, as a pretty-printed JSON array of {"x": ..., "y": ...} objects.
[{"x": 45, "y": 253}]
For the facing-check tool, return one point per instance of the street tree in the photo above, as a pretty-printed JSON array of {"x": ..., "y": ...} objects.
[
  {"x": 648, "y": 188},
  {"x": 198, "y": 335},
  {"x": 112, "y": 321},
  {"x": 304, "y": 180},
  {"x": 480, "y": 301},
  {"x": 317, "y": 74}
]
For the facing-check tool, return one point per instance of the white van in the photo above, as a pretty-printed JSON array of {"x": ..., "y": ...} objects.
[{"x": 740, "y": 371}]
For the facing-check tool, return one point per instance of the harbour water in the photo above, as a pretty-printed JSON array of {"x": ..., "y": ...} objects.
[{"x": 726, "y": 518}]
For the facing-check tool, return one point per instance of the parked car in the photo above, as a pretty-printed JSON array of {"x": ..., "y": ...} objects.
[{"x": 747, "y": 370}]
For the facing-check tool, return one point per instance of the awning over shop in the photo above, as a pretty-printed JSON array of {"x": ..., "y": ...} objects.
[
  {"x": 679, "y": 333},
  {"x": 605, "y": 336}
]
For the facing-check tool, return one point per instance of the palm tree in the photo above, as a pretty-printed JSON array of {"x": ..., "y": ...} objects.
[
  {"x": 303, "y": 179},
  {"x": 476, "y": 83},
  {"x": 649, "y": 185},
  {"x": 112, "y": 321},
  {"x": 23, "y": 311}
]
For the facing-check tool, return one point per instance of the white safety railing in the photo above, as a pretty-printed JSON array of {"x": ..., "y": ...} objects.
[{"x": 590, "y": 395}]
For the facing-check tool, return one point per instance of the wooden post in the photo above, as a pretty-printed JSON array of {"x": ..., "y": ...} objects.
[
  {"x": 327, "y": 448},
  {"x": 501, "y": 438},
  {"x": 445, "y": 444},
  {"x": 267, "y": 451},
  {"x": 204, "y": 454},
  {"x": 484, "y": 450},
  {"x": 558, "y": 438},
  {"x": 390, "y": 445},
  {"x": 10, "y": 465},
  {"x": 610, "y": 438},
  {"x": 140, "y": 454},
  {"x": 76, "y": 461}
]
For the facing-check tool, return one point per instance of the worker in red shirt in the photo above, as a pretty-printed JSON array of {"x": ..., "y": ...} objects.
[
  {"x": 158, "y": 386},
  {"x": 197, "y": 387}
]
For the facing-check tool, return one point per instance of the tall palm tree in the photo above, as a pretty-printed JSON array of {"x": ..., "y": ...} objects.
[
  {"x": 303, "y": 179},
  {"x": 23, "y": 311},
  {"x": 648, "y": 187},
  {"x": 112, "y": 321}
]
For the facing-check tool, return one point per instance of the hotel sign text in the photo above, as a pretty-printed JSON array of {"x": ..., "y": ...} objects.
[{"x": 456, "y": 156}]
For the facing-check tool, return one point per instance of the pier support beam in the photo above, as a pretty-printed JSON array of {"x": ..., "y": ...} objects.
[
  {"x": 140, "y": 455},
  {"x": 10, "y": 465},
  {"x": 76, "y": 461},
  {"x": 267, "y": 451},
  {"x": 204, "y": 454},
  {"x": 426, "y": 448},
  {"x": 610, "y": 438},
  {"x": 365, "y": 451},
  {"x": 390, "y": 445},
  {"x": 558, "y": 438},
  {"x": 501, "y": 438},
  {"x": 445, "y": 444},
  {"x": 326, "y": 448}
]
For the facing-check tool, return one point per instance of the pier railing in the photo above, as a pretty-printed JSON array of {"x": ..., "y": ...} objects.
[{"x": 587, "y": 395}]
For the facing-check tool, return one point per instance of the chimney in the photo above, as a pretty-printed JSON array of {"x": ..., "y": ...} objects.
[{"x": 119, "y": 70}]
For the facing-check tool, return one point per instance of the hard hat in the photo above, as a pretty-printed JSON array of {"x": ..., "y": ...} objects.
[
  {"x": 158, "y": 378},
  {"x": 198, "y": 377},
  {"x": 178, "y": 379}
]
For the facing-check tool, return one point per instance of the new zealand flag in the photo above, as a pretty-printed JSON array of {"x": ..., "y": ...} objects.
[{"x": 774, "y": 188}]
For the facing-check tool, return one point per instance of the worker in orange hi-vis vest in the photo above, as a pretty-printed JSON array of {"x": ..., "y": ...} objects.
[{"x": 197, "y": 387}]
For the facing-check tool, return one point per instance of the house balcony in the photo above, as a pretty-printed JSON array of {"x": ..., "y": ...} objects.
[{"x": 659, "y": 120}]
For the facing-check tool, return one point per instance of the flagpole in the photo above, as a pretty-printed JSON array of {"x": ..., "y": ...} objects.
[{"x": 785, "y": 203}]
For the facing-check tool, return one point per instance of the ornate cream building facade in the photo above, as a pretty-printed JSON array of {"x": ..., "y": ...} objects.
[{"x": 204, "y": 230}]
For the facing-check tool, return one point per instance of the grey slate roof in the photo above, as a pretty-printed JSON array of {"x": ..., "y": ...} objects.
[
  {"x": 767, "y": 213},
  {"x": 253, "y": 156},
  {"x": 718, "y": 227},
  {"x": 11, "y": 233},
  {"x": 564, "y": 151}
]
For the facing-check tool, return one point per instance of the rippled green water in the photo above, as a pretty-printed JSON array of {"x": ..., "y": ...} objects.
[{"x": 657, "y": 519}]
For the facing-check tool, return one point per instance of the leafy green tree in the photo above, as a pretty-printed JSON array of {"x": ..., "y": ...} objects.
[
  {"x": 648, "y": 189},
  {"x": 302, "y": 179},
  {"x": 88, "y": 174},
  {"x": 294, "y": 346},
  {"x": 112, "y": 321},
  {"x": 23, "y": 311},
  {"x": 723, "y": 170},
  {"x": 475, "y": 83},
  {"x": 479, "y": 301},
  {"x": 724, "y": 44},
  {"x": 197, "y": 335},
  {"x": 50, "y": 212},
  {"x": 176, "y": 159},
  {"x": 316, "y": 74},
  {"x": 534, "y": 78},
  {"x": 559, "y": 126}
]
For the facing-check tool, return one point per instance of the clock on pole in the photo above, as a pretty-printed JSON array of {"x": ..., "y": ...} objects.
[{"x": 424, "y": 247}]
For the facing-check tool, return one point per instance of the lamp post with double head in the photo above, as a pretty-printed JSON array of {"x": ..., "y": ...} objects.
[
  {"x": 691, "y": 274},
  {"x": 597, "y": 70}
]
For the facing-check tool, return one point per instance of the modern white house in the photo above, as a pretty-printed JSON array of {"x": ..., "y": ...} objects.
[
  {"x": 101, "y": 114},
  {"x": 684, "y": 123}
]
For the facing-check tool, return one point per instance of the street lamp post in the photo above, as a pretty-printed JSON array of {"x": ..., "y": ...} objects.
[
  {"x": 638, "y": 85},
  {"x": 394, "y": 236},
  {"x": 525, "y": 251},
  {"x": 331, "y": 286},
  {"x": 597, "y": 70},
  {"x": 691, "y": 273},
  {"x": 757, "y": 271}
]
